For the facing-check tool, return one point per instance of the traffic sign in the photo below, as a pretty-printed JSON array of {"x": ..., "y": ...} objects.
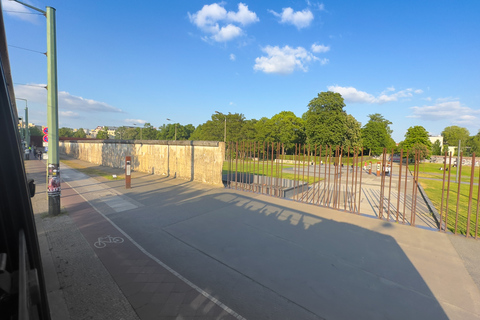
[
  {"x": 45, "y": 130},
  {"x": 45, "y": 138}
]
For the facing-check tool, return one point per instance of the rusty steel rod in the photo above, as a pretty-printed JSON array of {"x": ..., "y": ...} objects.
[
  {"x": 399, "y": 184},
  {"x": 380, "y": 207},
  {"x": 478, "y": 203},
  {"x": 325, "y": 178},
  {"x": 360, "y": 187},
  {"x": 347, "y": 198},
  {"x": 459, "y": 166},
  {"x": 470, "y": 194},
  {"x": 281, "y": 168},
  {"x": 340, "y": 193},
  {"x": 448, "y": 190},
  {"x": 353, "y": 194},
  {"x": 355, "y": 208},
  {"x": 443, "y": 192},
  {"x": 413, "y": 187},
  {"x": 236, "y": 166},
  {"x": 319, "y": 173},
  {"x": 406, "y": 183},
  {"x": 308, "y": 171},
  {"x": 277, "y": 167},
  {"x": 390, "y": 173},
  {"x": 335, "y": 170},
  {"x": 271, "y": 169},
  {"x": 303, "y": 173},
  {"x": 329, "y": 171}
]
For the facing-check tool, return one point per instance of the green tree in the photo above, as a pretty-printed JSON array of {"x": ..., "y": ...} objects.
[
  {"x": 65, "y": 132},
  {"x": 326, "y": 121},
  {"x": 34, "y": 131},
  {"x": 474, "y": 143},
  {"x": 80, "y": 133},
  {"x": 213, "y": 130},
  {"x": 102, "y": 134},
  {"x": 451, "y": 135},
  {"x": 436, "y": 148},
  {"x": 376, "y": 134},
  {"x": 353, "y": 135},
  {"x": 149, "y": 132},
  {"x": 415, "y": 138},
  {"x": 284, "y": 127}
]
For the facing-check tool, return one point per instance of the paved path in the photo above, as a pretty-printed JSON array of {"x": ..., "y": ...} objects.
[{"x": 194, "y": 252}]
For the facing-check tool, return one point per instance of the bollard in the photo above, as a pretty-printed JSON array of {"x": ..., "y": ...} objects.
[{"x": 128, "y": 172}]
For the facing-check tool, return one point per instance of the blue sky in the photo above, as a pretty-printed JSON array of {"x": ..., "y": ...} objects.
[{"x": 119, "y": 62}]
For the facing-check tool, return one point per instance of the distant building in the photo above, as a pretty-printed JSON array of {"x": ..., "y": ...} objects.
[
  {"x": 111, "y": 130},
  {"x": 433, "y": 139}
]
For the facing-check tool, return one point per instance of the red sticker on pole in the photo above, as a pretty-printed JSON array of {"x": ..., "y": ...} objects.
[{"x": 45, "y": 138}]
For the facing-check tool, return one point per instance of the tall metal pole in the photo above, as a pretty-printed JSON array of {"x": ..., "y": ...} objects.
[
  {"x": 225, "y": 135},
  {"x": 24, "y": 129},
  {"x": 53, "y": 168},
  {"x": 175, "y": 132},
  {"x": 458, "y": 160}
]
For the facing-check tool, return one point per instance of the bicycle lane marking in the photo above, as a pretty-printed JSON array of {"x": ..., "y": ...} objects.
[{"x": 95, "y": 226}]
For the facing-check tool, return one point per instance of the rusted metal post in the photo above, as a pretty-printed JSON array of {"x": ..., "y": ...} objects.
[
  {"x": 382, "y": 184},
  {"x": 448, "y": 190},
  {"x": 406, "y": 183},
  {"x": 459, "y": 170},
  {"x": 128, "y": 170},
  {"x": 271, "y": 169},
  {"x": 319, "y": 173},
  {"x": 360, "y": 188},
  {"x": 329, "y": 171},
  {"x": 443, "y": 191},
  {"x": 303, "y": 173},
  {"x": 478, "y": 202},
  {"x": 340, "y": 168},
  {"x": 308, "y": 172},
  {"x": 390, "y": 173},
  {"x": 470, "y": 194},
  {"x": 346, "y": 180},
  {"x": 399, "y": 184},
  {"x": 355, "y": 161}
]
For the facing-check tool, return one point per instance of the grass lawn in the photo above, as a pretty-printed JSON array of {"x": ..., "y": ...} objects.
[
  {"x": 253, "y": 167},
  {"x": 433, "y": 189},
  {"x": 432, "y": 170},
  {"x": 91, "y": 171}
]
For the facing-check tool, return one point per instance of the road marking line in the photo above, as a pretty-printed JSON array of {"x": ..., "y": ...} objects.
[{"x": 178, "y": 275}]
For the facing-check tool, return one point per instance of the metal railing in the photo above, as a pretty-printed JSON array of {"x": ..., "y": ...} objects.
[{"x": 344, "y": 179}]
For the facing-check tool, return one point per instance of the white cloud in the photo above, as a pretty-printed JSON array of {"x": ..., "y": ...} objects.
[
  {"x": 208, "y": 20},
  {"x": 243, "y": 16},
  {"x": 36, "y": 93},
  {"x": 447, "y": 110},
  {"x": 351, "y": 94},
  {"x": 69, "y": 114},
  {"x": 19, "y": 11},
  {"x": 227, "y": 33},
  {"x": 232, "y": 57},
  {"x": 284, "y": 60},
  {"x": 300, "y": 19},
  {"x": 135, "y": 121},
  {"x": 320, "y": 48}
]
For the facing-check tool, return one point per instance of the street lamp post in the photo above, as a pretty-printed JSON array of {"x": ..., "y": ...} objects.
[
  {"x": 175, "y": 129},
  {"x": 225, "y": 133}
]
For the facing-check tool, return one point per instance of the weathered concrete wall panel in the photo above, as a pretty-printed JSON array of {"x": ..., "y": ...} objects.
[{"x": 190, "y": 160}]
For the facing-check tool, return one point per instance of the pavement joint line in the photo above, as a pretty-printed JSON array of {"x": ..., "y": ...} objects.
[{"x": 178, "y": 275}]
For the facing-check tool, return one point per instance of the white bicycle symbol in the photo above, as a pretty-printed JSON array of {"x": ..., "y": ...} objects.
[{"x": 102, "y": 241}]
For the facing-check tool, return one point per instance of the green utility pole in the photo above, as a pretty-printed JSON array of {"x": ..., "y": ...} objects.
[{"x": 53, "y": 168}]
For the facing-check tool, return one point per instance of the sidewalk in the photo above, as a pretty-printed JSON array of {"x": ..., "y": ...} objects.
[{"x": 243, "y": 254}]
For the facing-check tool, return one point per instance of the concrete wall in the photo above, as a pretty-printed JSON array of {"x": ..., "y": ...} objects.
[{"x": 200, "y": 161}]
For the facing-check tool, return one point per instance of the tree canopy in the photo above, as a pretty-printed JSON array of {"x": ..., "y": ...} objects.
[
  {"x": 376, "y": 134},
  {"x": 415, "y": 137},
  {"x": 326, "y": 121},
  {"x": 451, "y": 135}
]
